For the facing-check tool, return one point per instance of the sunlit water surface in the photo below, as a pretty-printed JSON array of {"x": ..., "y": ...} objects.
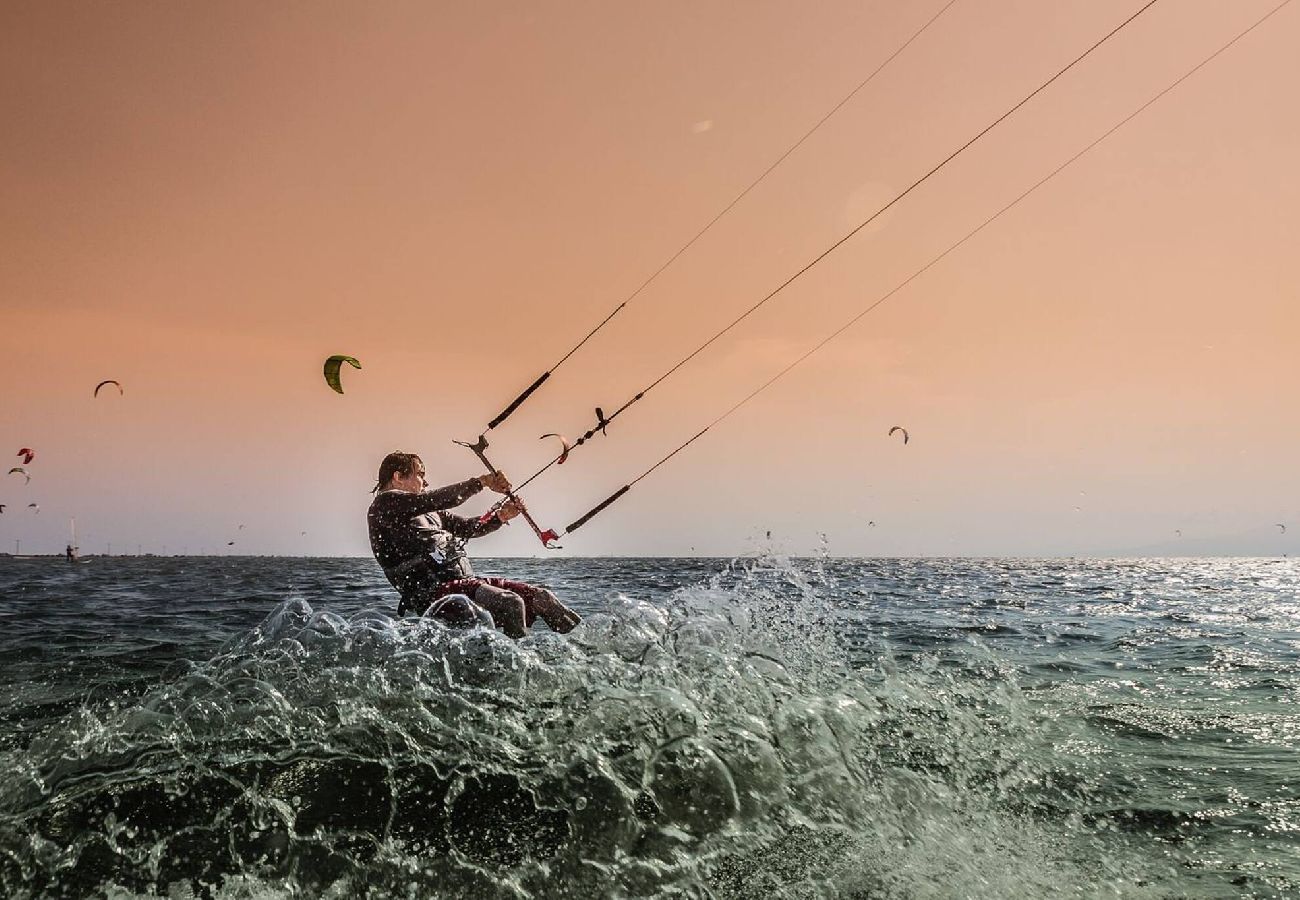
[{"x": 764, "y": 727}]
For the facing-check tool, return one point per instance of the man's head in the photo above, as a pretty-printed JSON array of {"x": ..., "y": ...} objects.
[{"x": 401, "y": 471}]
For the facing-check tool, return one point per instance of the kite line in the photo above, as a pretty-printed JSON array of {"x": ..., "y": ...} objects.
[
  {"x": 602, "y": 420},
  {"x": 578, "y": 523},
  {"x": 541, "y": 379}
]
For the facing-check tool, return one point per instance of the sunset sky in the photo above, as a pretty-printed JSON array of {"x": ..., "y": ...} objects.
[{"x": 203, "y": 201}]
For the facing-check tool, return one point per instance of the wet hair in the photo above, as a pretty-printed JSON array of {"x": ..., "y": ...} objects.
[{"x": 398, "y": 462}]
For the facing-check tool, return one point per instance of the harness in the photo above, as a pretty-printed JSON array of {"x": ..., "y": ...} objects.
[
  {"x": 406, "y": 567},
  {"x": 406, "y": 575}
]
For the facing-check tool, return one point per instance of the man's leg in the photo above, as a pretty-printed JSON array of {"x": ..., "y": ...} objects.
[
  {"x": 540, "y": 603},
  {"x": 555, "y": 614},
  {"x": 507, "y": 609}
]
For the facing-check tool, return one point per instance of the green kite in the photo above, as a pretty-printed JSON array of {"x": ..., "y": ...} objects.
[{"x": 332, "y": 370}]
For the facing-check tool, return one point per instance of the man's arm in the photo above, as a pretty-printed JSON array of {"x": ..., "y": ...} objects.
[
  {"x": 467, "y": 529},
  {"x": 451, "y": 495},
  {"x": 404, "y": 504}
]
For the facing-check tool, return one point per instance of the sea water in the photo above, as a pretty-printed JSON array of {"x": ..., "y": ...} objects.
[{"x": 759, "y": 727}]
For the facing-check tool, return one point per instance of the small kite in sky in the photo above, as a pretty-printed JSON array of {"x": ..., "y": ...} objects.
[
  {"x": 1283, "y": 527},
  {"x": 564, "y": 454},
  {"x": 230, "y": 543},
  {"x": 902, "y": 429},
  {"x": 1178, "y": 531},
  {"x": 2, "y": 507},
  {"x": 108, "y": 381},
  {"x": 19, "y": 470},
  {"x": 35, "y": 506},
  {"x": 27, "y": 453},
  {"x": 332, "y": 369}
]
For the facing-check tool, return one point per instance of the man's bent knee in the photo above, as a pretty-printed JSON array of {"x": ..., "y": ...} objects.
[{"x": 507, "y": 607}]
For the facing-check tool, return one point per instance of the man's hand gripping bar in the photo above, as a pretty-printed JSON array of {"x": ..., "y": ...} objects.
[{"x": 546, "y": 536}]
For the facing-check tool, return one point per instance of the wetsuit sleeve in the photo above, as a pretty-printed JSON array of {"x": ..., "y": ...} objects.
[
  {"x": 451, "y": 495},
  {"x": 404, "y": 505},
  {"x": 469, "y": 528}
]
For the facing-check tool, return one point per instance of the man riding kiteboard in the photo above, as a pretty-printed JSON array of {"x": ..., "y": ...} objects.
[{"x": 421, "y": 548}]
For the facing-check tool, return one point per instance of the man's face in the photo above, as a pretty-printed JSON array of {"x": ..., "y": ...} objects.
[{"x": 414, "y": 481}]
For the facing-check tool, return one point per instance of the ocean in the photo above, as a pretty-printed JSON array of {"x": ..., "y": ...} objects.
[{"x": 758, "y": 727}]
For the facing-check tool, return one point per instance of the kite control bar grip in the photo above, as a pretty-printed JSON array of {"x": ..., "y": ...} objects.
[
  {"x": 583, "y": 521},
  {"x": 545, "y": 536},
  {"x": 528, "y": 392}
]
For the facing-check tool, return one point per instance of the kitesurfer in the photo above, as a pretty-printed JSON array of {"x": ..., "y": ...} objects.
[{"x": 421, "y": 548}]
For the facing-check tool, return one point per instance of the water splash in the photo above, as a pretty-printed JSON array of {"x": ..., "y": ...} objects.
[{"x": 720, "y": 744}]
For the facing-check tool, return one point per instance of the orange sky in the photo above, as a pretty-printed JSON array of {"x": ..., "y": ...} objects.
[{"x": 204, "y": 201}]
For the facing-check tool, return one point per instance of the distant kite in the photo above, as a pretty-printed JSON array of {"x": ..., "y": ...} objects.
[
  {"x": 240, "y": 528},
  {"x": 27, "y": 453},
  {"x": 35, "y": 506},
  {"x": 332, "y": 370},
  {"x": 871, "y": 524},
  {"x": 230, "y": 543},
  {"x": 2, "y": 507},
  {"x": 109, "y": 381},
  {"x": 19, "y": 470},
  {"x": 899, "y": 428},
  {"x": 564, "y": 454},
  {"x": 1283, "y": 527},
  {"x": 1178, "y": 531}
]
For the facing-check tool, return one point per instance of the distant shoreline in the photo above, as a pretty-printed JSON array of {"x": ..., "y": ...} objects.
[{"x": 1134, "y": 556}]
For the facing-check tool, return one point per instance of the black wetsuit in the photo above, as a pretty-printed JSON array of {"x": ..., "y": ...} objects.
[{"x": 419, "y": 544}]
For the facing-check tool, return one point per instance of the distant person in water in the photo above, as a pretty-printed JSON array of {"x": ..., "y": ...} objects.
[
  {"x": 421, "y": 548},
  {"x": 71, "y": 553}
]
